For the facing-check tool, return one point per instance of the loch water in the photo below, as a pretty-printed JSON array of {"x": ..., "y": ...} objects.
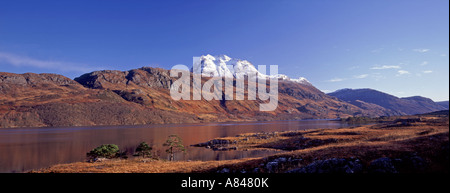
[{"x": 24, "y": 149}]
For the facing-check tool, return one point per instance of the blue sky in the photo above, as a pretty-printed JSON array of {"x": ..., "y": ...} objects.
[{"x": 396, "y": 46}]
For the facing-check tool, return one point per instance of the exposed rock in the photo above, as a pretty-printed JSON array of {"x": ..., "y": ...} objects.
[
  {"x": 145, "y": 76},
  {"x": 224, "y": 170},
  {"x": 333, "y": 165},
  {"x": 272, "y": 166},
  {"x": 382, "y": 165},
  {"x": 417, "y": 163},
  {"x": 32, "y": 79},
  {"x": 406, "y": 164},
  {"x": 281, "y": 159},
  {"x": 100, "y": 79},
  {"x": 277, "y": 163},
  {"x": 154, "y": 77},
  {"x": 13, "y": 79},
  {"x": 100, "y": 159},
  {"x": 410, "y": 163}
]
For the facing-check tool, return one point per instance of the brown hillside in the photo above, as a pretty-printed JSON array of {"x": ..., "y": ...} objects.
[{"x": 142, "y": 96}]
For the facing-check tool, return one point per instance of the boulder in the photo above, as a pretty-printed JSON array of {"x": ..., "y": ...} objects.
[
  {"x": 100, "y": 159},
  {"x": 272, "y": 166},
  {"x": 224, "y": 170},
  {"x": 382, "y": 165},
  {"x": 333, "y": 165}
]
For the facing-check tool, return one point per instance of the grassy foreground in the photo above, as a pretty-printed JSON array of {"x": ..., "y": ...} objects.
[{"x": 411, "y": 144}]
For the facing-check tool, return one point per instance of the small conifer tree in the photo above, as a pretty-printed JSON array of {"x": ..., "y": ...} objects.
[
  {"x": 174, "y": 144},
  {"x": 143, "y": 150}
]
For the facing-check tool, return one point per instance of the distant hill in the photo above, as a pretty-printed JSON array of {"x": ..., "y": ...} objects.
[
  {"x": 393, "y": 105},
  {"x": 443, "y": 112},
  {"x": 444, "y": 104},
  {"x": 423, "y": 104}
]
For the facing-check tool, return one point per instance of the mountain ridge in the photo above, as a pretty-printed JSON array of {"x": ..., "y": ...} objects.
[
  {"x": 142, "y": 96},
  {"x": 397, "y": 106},
  {"x": 444, "y": 104}
]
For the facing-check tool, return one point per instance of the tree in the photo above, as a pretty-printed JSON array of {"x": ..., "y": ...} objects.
[
  {"x": 104, "y": 151},
  {"x": 175, "y": 144},
  {"x": 143, "y": 150}
]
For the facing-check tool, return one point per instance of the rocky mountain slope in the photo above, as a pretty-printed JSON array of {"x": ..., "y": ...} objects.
[
  {"x": 149, "y": 87},
  {"x": 142, "y": 96},
  {"x": 35, "y": 100},
  {"x": 393, "y": 105}
]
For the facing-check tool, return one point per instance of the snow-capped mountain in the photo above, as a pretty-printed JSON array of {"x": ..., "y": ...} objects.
[
  {"x": 224, "y": 66},
  {"x": 217, "y": 66},
  {"x": 301, "y": 80}
]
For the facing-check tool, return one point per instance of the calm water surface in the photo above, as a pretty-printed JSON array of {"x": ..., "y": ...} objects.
[{"x": 23, "y": 149}]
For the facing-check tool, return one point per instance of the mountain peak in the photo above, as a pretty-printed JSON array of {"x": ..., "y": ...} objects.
[
  {"x": 302, "y": 80},
  {"x": 223, "y": 57},
  {"x": 225, "y": 66}
]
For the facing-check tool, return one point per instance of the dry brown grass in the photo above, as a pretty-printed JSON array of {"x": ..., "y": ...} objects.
[
  {"x": 138, "y": 166},
  {"x": 425, "y": 138},
  {"x": 367, "y": 143}
]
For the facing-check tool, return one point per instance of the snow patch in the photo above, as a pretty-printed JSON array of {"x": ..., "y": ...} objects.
[{"x": 225, "y": 66}]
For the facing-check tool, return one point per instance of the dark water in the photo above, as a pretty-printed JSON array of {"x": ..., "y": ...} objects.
[{"x": 23, "y": 149}]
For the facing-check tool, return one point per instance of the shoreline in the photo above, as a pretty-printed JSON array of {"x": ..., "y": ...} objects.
[
  {"x": 409, "y": 148},
  {"x": 167, "y": 124}
]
